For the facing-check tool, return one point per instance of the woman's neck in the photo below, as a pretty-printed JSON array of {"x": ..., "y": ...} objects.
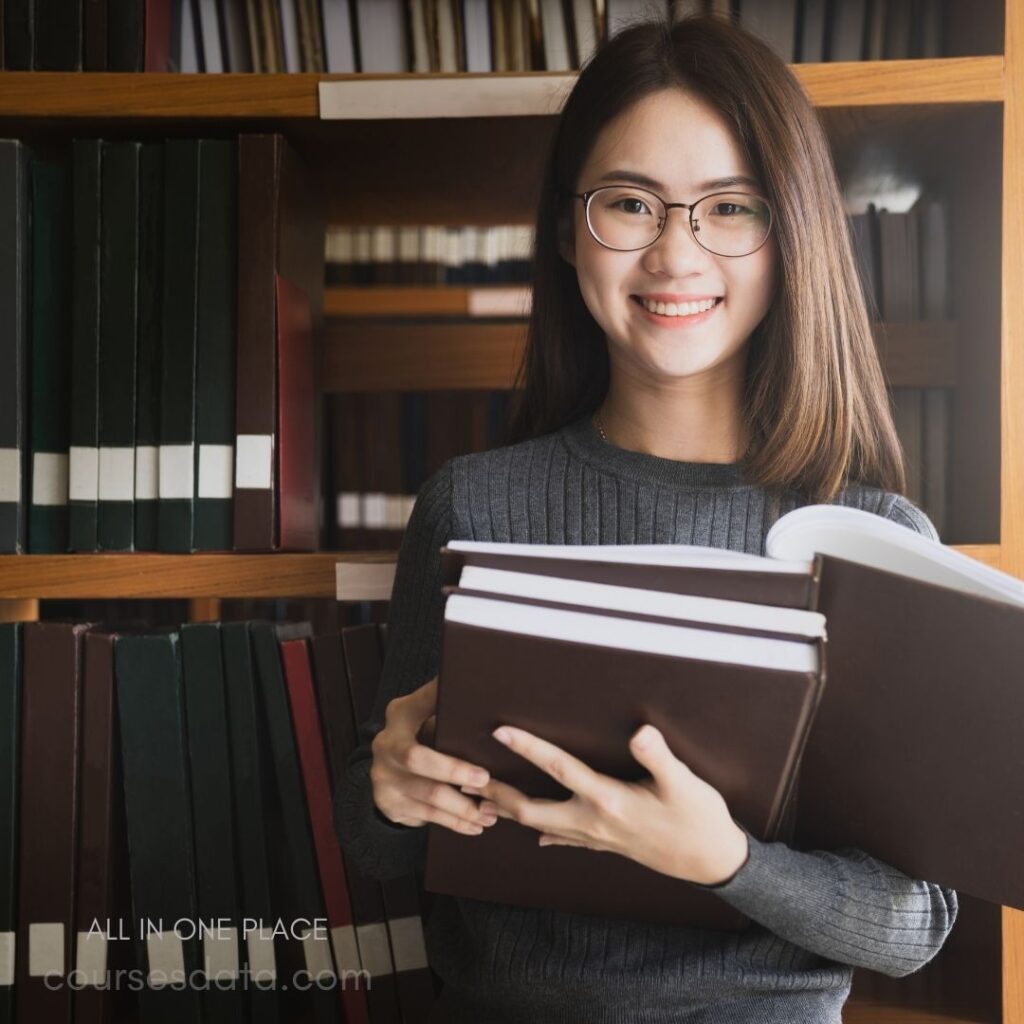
[{"x": 695, "y": 428}]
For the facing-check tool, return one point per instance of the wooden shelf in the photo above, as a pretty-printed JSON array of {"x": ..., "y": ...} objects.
[
  {"x": 143, "y": 575},
  {"x": 240, "y": 97},
  {"x": 399, "y": 355},
  {"x": 426, "y": 300}
]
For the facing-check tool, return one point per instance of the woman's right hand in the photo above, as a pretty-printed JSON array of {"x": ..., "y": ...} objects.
[{"x": 413, "y": 783}]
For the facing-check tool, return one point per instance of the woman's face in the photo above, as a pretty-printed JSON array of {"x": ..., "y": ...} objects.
[{"x": 682, "y": 147}]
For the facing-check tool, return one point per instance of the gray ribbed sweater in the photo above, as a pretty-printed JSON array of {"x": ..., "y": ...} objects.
[{"x": 815, "y": 915}]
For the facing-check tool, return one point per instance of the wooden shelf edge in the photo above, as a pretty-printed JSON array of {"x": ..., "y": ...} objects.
[
  {"x": 364, "y": 575},
  {"x": 952, "y": 80},
  {"x": 144, "y": 575}
]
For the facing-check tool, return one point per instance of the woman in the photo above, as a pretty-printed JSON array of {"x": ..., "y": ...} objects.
[{"x": 699, "y": 363}]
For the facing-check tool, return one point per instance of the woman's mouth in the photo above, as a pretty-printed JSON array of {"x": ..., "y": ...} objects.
[{"x": 671, "y": 314}]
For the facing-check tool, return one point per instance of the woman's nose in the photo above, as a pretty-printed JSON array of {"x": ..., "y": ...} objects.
[{"x": 676, "y": 252}]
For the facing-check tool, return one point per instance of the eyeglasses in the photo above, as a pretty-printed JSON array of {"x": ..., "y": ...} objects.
[{"x": 626, "y": 218}]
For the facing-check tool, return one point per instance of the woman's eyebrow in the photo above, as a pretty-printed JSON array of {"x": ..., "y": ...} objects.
[{"x": 707, "y": 186}]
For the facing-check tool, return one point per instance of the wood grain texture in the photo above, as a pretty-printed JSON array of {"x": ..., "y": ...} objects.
[
  {"x": 185, "y": 576},
  {"x": 1013, "y": 966},
  {"x": 240, "y": 96}
]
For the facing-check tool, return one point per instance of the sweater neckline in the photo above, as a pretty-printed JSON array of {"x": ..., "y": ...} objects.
[{"x": 581, "y": 437}]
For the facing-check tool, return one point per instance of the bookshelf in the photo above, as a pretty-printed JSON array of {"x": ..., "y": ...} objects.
[{"x": 955, "y": 123}]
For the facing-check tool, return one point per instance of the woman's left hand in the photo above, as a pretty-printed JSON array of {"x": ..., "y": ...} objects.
[{"x": 673, "y": 822}]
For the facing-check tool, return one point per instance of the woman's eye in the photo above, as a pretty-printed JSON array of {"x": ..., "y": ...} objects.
[
  {"x": 631, "y": 205},
  {"x": 730, "y": 209}
]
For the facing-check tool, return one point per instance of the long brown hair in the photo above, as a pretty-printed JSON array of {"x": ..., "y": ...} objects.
[{"x": 815, "y": 401}]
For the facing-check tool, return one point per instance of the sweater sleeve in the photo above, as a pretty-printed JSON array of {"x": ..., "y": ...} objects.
[
  {"x": 382, "y": 848},
  {"x": 846, "y": 905}
]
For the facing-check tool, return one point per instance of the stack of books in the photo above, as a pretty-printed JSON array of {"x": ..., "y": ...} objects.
[{"x": 857, "y": 686}]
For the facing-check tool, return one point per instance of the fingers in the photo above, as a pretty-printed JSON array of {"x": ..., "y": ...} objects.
[
  {"x": 416, "y": 813},
  {"x": 570, "y": 771}
]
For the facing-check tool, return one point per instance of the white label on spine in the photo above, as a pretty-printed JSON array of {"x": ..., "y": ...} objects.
[
  {"x": 375, "y": 510},
  {"x": 348, "y": 510},
  {"x": 254, "y": 461},
  {"x": 7, "y": 945},
  {"x": 166, "y": 959},
  {"x": 262, "y": 964},
  {"x": 346, "y": 952},
  {"x": 396, "y": 510},
  {"x": 177, "y": 471},
  {"x": 10, "y": 474},
  {"x": 49, "y": 479},
  {"x": 407, "y": 943},
  {"x": 83, "y": 473},
  {"x": 45, "y": 949},
  {"x": 147, "y": 468},
  {"x": 374, "y": 948},
  {"x": 216, "y": 470},
  {"x": 220, "y": 953},
  {"x": 117, "y": 474},
  {"x": 91, "y": 958},
  {"x": 317, "y": 951}
]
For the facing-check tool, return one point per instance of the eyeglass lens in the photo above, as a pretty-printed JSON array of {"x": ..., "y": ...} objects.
[{"x": 727, "y": 223}]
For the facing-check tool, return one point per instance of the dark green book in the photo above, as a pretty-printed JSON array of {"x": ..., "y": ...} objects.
[
  {"x": 176, "y": 514},
  {"x": 14, "y": 273},
  {"x": 251, "y": 785},
  {"x": 210, "y": 772},
  {"x": 51, "y": 355},
  {"x": 119, "y": 307},
  {"x": 147, "y": 371},
  {"x": 151, "y": 711},
  {"x": 10, "y": 717},
  {"x": 84, "y": 454},
  {"x": 215, "y": 359}
]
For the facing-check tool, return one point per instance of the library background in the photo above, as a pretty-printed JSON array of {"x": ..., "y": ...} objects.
[{"x": 320, "y": 209}]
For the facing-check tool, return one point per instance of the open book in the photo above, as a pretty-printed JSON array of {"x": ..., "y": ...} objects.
[{"x": 857, "y": 686}]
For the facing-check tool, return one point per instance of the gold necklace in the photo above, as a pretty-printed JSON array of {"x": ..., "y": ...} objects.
[{"x": 604, "y": 436}]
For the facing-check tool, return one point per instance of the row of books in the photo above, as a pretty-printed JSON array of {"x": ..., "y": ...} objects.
[
  {"x": 816, "y": 31},
  {"x": 122, "y": 431},
  {"x": 171, "y": 820},
  {"x": 903, "y": 261},
  {"x": 428, "y": 254},
  {"x": 385, "y": 445}
]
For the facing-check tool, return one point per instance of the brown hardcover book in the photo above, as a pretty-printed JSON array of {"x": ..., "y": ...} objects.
[
  {"x": 738, "y": 726},
  {"x": 49, "y": 817},
  {"x": 281, "y": 230}
]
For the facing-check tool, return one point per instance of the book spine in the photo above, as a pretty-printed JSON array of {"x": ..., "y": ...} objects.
[
  {"x": 176, "y": 512},
  {"x": 151, "y": 715},
  {"x": 48, "y": 820},
  {"x": 147, "y": 387},
  {"x": 58, "y": 36},
  {"x": 255, "y": 509},
  {"x": 215, "y": 357},
  {"x": 10, "y": 760},
  {"x": 14, "y": 298},
  {"x": 211, "y": 783},
  {"x": 119, "y": 306},
  {"x": 51, "y": 354},
  {"x": 97, "y": 841},
  {"x": 126, "y": 35},
  {"x": 249, "y": 780},
  {"x": 84, "y": 453},
  {"x": 157, "y": 44},
  {"x": 94, "y": 28},
  {"x": 18, "y": 31}
]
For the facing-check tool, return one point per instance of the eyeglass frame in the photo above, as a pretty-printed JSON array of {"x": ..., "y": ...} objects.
[{"x": 694, "y": 231}]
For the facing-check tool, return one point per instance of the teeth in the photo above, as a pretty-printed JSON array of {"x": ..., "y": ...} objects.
[{"x": 678, "y": 309}]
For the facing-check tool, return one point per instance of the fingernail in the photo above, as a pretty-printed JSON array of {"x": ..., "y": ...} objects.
[
  {"x": 478, "y": 778},
  {"x": 488, "y": 819},
  {"x": 543, "y": 842},
  {"x": 475, "y": 830},
  {"x": 502, "y": 735},
  {"x": 471, "y": 791},
  {"x": 486, "y": 807},
  {"x": 643, "y": 738}
]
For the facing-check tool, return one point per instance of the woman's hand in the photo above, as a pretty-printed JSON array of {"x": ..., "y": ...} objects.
[
  {"x": 673, "y": 822},
  {"x": 413, "y": 783}
]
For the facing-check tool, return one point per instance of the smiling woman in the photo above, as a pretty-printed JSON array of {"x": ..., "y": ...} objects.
[{"x": 699, "y": 363}]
